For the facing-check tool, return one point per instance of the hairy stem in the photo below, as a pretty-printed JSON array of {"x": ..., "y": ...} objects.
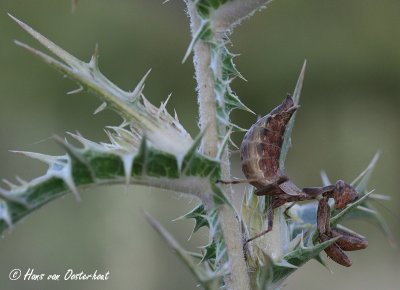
[
  {"x": 239, "y": 279},
  {"x": 206, "y": 99}
]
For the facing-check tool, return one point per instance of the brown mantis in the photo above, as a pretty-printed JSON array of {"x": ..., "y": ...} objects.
[{"x": 260, "y": 151}]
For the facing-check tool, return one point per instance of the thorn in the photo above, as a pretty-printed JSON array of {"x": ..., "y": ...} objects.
[
  {"x": 66, "y": 174},
  {"x": 44, "y": 57},
  {"x": 21, "y": 181},
  {"x": 286, "y": 264},
  {"x": 241, "y": 76},
  {"x": 102, "y": 107},
  {"x": 366, "y": 209},
  {"x": 163, "y": 105},
  {"x": 176, "y": 116},
  {"x": 58, "y": 51},
  {"x": 85, "y": 142},
  {"x": 195, "y": 38},
  {"x": 139, "y": 88},
  {"x": 9, "y": 184},
  {"x": 234, "y": 145},
  {"x": 4, "y": 212},
  {"x": 50, "y": 160},
  {"x": 299, "y": 84},
  {"x": 380, "y": 196},
  {"x": 9, "y": 196},
  {"x": 94, "y": 61},
  {"x": 325, "y": 178},
  {"x": 71, "y": 185},
  {"x": 167, "y": 100},
  {"x": 71, "y": 150},
  {"x": 127, "y": 160},
  {"x": 78, "y": 90}
]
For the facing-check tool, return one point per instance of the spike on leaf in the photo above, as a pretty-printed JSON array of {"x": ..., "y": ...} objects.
[
  {"x": 48, "y": 159},
  {"x": 62, "y": 54},
  {"x": 288, "y": 132}
]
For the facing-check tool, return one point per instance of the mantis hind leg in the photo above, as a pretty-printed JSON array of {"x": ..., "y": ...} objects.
[{"x": 277, "y": 202}]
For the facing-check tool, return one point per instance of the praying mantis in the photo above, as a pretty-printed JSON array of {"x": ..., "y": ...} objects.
[{"x": 259, "y": 153}]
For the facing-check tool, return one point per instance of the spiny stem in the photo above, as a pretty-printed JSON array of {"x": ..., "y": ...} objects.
[
  {"x": 206, "y": 98},
  {"x": 239, "y": 279}
]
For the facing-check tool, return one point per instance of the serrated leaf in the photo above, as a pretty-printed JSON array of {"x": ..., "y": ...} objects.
[
  {"x": 199, "y": 214},
  {"x": 209, "y": 252},
  {"x": 232, "y": 102},
  {"x": 361, "y": 182},
  {"x": 229, "y": 70},
  {"x": 297, "y": 258}
]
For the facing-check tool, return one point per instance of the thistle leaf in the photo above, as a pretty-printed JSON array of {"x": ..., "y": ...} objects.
[
  {"x": 287, "y": 143},
  {"x": 199, "y": 215},
  {"x": 210, "y": 252},
  {"x": 265, "y": 275}
]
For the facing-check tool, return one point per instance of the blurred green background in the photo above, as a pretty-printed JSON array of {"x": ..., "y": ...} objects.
[{"x": 349, "y": 110}]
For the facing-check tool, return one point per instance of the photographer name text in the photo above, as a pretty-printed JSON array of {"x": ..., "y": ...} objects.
[{"x": 69, "y": 275}]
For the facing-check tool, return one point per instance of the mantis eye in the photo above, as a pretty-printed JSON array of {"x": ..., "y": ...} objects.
[{"x": 340, "y": 185}]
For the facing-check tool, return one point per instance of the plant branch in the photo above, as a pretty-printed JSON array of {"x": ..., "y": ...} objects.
[{"x": 233, "y": 12}]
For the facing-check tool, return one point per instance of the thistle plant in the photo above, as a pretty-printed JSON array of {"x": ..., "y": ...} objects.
[{"x": 151, "y": 147}]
